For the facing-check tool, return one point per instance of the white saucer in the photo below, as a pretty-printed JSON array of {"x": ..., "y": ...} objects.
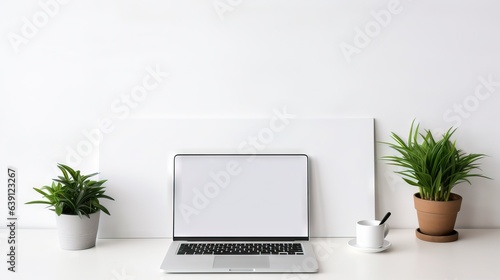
[{"x": 355, "y": 245}]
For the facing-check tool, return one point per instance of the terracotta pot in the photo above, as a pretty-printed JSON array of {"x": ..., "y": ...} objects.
[{"x": 437, "y": 218}]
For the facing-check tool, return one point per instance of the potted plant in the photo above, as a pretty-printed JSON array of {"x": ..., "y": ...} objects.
[
  {"x": 435, "y": 166},
  {"x": 75, "y": 200}
]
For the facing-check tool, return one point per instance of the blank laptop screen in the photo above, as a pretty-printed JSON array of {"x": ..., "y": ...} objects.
[{"x": 240, "y": 196}]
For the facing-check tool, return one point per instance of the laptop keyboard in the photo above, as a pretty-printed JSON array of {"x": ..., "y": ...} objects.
[{"x": 240, "y": 249}]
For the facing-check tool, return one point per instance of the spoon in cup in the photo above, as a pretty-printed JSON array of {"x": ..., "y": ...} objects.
[{"x": 385, "y": 218}]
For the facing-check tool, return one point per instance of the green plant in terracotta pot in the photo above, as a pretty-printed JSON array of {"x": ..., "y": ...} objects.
[{"x": 435, "y": 166}]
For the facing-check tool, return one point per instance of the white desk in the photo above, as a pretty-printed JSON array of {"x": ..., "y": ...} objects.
[{"x": 476, "y": 255}]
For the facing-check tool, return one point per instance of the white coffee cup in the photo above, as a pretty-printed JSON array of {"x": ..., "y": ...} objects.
[{"x": 370, "y": 234}]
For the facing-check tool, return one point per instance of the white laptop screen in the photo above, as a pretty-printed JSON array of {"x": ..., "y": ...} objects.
[{"x": 240, "y": 196}]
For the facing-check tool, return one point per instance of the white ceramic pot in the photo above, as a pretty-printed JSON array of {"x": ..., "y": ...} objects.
[{"x": 77, "y": 233}]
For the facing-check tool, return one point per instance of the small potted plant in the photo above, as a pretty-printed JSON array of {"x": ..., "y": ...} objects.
[
  {"x": 435, "y": 167},
  {"x": 75, "y": 200}
]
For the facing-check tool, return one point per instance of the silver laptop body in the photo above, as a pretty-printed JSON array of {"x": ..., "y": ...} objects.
[{"x": 235, "y": 201}]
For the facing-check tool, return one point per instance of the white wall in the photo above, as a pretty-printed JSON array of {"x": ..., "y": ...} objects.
[
  {"x": 138, "y": 158},
  {"x": 65, "y": 66}
]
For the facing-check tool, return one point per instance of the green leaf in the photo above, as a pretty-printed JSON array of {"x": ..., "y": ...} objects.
[
  {"x": 73, "y": 193},
  {"x": 39, "y": 202},
  {"x": 59, "y": 209}
]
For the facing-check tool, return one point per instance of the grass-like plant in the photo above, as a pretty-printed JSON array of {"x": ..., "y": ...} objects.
[
  {"x": 434, "y": 166},
  {"x": 73, "y": 193}
]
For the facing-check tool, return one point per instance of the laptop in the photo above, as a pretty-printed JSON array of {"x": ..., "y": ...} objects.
[{"x": 235, "y": 213}]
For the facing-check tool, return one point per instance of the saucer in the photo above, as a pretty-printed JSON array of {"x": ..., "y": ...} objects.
[
  {"x": 433, "y": 238},
  {"x": 355, "y": 245}
]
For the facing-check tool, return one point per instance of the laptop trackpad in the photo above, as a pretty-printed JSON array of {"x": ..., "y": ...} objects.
[{"x": 239, "y": 262}]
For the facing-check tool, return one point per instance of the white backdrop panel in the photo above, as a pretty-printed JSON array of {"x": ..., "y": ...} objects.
[{"x": 137, "y": 159}]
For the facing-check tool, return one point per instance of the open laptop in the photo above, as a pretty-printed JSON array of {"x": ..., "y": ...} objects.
[{"x": 237, "y": 213}]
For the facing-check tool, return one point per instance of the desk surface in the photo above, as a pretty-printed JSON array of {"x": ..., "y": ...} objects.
[{"x": 476, "y": 255}]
